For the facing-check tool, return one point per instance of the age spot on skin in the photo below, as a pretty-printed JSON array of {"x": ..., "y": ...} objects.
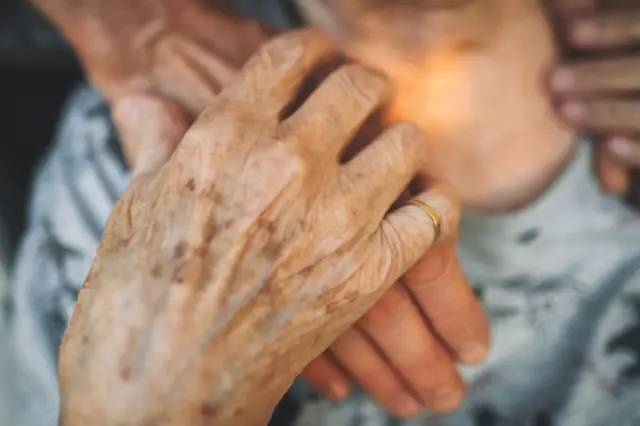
[
  {"x": 468, "y": 46},
  {"x": 272, "y": 250},
  {"x": 180, "y": 250},
  {"x": 331, "y": 306},
  {"x": 191, "y": 185},
  {"x": 156, "y": 271},
  {"x": 202, "y": 250},
  {"x": 125, "y": 373},
  {"x": 209, "y": 232},
  {"x": 209, "y": 410},
  {"x": 177, "y": 276},
  {"x": 238, "y": 412}
]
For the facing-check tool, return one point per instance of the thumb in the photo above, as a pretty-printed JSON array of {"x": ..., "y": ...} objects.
[{"x": 150, "y": 129}]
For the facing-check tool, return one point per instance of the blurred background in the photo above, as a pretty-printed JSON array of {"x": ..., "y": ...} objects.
[{"x": 37, "y": 70}]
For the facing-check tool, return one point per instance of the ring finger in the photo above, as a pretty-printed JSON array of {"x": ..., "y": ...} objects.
[{"x": 336, "y": 110}]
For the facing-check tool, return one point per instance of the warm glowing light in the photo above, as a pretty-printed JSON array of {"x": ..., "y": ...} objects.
[{"x": 435, "y": 94}]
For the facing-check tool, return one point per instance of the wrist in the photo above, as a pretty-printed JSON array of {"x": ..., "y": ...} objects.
[{"x": 112, "y": 377}]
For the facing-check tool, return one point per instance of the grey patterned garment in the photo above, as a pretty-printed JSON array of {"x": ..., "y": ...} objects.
[
  {"x": 6, "y": 361},
  {"x": 78, "y": 183},
  {"x": 560, "y": 281}
]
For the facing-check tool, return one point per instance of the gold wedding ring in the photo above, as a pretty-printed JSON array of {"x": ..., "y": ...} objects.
[{"x": 435, "y": 217}]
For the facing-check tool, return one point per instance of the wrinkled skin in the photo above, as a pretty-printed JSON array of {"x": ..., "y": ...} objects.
[
  {"x": 599, "y": 93},
  {"x": 231, "y": 263},
  {"x": 185, "y": 50}
]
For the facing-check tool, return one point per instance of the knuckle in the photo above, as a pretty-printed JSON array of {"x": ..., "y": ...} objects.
[
  {"x": 410, "y": 134},
  {"x": 363, "y": 85},
  {"x": 290, "y": 50},
  {"x": 406, "y": 141},
  {"x": 296, "y": 164},
  {"x": 299, "y": 166}
]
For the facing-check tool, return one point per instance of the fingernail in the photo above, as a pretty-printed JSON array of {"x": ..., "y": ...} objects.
[
  {"x": 562, "y": 79},
  {"x": 584, "y": 32},
  {"x": 622, "y": 147},
  {"x": 339, "y": 390},
  {"x": 406, "y": 406},
  {"x": 573, "y": 111},
  {"x": 448, "y": 398},
  {"x": 473, "y": 353}
]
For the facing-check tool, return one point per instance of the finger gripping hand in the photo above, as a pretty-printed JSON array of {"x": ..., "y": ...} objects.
[{"x": 227, "y": 268}]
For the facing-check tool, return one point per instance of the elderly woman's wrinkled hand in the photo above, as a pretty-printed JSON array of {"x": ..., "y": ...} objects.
[{"x": 235, "y": 258}]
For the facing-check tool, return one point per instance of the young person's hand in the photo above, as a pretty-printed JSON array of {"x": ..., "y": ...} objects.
[
  {"x": 601, "y": 94},
  {"x": 184, "y": 50},
  {"x": 404, "y": 351}
]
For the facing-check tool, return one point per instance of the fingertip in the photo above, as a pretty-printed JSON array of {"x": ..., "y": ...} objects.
[
  {"x": 325, "y": 378},
  {"x": 405, "y": 406},
  {"x": 583, "y": 32},
  {"x": 125, "y": 111},
  {"x": 148, "y": 123},
  {"x": 622, "y": 147},
  {"x": 339, "y": 389},
  {"x": 447, "y": 399},
  {"x": 473, "y": 353},
  {"x": 561, "y": 79},
  {"x": 573, "y": 111}
]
